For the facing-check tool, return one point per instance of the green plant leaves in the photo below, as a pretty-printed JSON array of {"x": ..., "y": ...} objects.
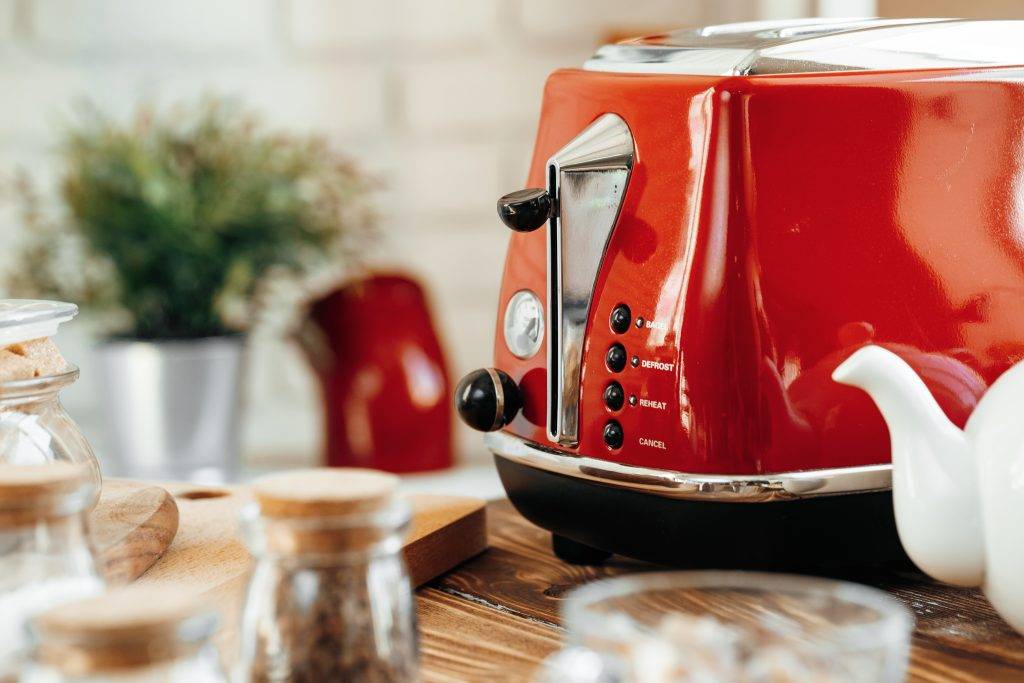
[{"x": 180, "y": 215}]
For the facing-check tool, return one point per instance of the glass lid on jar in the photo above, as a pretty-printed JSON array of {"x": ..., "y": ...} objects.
[
  {"x": 818, "y": 46},
  {"x": 25, "y": 319}
]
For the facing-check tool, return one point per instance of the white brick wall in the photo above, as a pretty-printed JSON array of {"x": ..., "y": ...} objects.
[
  {"x": 7, "y": 21},
  {"x": 129, "y": 27},
  {"x": 576, "y": 18},
  {"x": 440, "y": 98},
  {"x": 352, "y": 26}
]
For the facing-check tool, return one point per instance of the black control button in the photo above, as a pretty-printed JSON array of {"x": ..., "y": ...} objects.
[
  {"x": 613, "y": 434},
  {"x": 621, "y": 316},
  {"x": 634, "y": 361},
  {"x": 616, "y": 358},
  {"x": 614, "y": 396}
]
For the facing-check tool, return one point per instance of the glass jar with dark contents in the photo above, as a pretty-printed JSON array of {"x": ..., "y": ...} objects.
[{"x": 329, "y": 598}]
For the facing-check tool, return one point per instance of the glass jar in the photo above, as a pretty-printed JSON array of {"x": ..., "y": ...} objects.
[
  {"x": 35, "y": 429},
  {"x": 135, "y": 634},
  {"x": 46, "y": 557},
  {"x": 329, "y": 598},
  {"x": 736, "y": 627}
]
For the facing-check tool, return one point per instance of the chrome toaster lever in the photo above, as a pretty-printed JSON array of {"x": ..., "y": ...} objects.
[{"x": 586, "y": 183}]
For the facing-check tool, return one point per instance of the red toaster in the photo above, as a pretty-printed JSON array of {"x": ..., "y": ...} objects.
[{"x": 720, "y": 216}]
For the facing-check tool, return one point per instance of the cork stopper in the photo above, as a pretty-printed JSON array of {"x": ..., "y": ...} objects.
[
  {"x": 129, "y": 627},
  {"x": 324, "y": 492},
  {"x": 327, "y": 510},
  {"x": 29, "y": 493}
]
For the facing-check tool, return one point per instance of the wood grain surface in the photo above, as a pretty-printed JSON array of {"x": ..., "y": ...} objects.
[
  {"x": 209, "y": 558},
  {"x": 132, "y": 526},
  {"x": 497, "y": 616}
]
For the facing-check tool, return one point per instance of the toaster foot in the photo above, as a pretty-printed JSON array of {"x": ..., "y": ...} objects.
[{"x": 573, "y": 552}]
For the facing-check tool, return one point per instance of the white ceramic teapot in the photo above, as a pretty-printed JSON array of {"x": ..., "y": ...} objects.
[{"x": 958, "y": 494}]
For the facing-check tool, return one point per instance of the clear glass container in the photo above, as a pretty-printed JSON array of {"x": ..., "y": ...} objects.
[
  {"x": 330, "y": 597},
  {"x": 736, "y": 627},
  {"x": 137, "y": 634},
  {"x": 35, "y": 429},
  {"x": 46, "y": 557}
]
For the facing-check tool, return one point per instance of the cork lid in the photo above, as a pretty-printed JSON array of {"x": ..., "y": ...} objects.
[
  {"x": 31, "y": 492},
  {"x": 128, "y": 627},
  {"x": 326, "y": 511},
  {"x": 324, "y": 492}
]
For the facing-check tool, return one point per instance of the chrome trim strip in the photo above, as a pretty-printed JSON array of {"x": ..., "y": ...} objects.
[
  {"x": 754, "y": 488},
  {"x": 818, "y": 46},
  {"x": 587, "y": 181}
]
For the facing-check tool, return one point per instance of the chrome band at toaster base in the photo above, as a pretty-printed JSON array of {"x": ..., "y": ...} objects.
[{"x": 736, "y": 488}]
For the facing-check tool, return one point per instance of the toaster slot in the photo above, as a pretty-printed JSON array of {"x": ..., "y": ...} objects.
[{"x": 587, "y": 180}]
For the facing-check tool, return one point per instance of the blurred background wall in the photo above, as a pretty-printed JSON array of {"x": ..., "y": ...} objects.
[{"x": 438, "y": 98}]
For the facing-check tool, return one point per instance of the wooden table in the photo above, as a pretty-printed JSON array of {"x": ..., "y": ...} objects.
[{"x": 497, "y": 616}]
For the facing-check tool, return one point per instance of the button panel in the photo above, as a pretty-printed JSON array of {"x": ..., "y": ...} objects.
[
  {"x": 637, "y": 384},
  {"x": 616, "y": 358}
]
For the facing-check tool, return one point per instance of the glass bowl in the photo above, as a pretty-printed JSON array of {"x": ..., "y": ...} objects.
[{"x": 731, "y": 626}]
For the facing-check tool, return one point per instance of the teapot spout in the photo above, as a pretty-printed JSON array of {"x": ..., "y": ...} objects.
[
  {"x": 900, "y": 394},
  {"x": 935, "y": 492}
]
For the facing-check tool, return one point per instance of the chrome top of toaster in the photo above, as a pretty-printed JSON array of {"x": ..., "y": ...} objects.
[{"x": 818, "y": 45}]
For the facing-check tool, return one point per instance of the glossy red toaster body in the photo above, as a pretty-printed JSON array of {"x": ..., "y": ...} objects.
[
  {"x": 731, "y": 212},
  {"x": 770, "y": 226}
]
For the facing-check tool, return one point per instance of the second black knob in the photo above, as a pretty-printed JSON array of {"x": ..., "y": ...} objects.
[{"x": 487, "y": 399}]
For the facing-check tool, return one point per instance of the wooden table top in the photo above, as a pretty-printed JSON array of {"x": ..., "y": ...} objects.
[{"x": 497, "y": 616}]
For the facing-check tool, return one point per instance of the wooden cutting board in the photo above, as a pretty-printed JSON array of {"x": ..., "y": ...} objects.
[
  {"x": 208, "y": 551},
  {"x": 132, "y": 526},
  {"x": 208, "y": 557}
]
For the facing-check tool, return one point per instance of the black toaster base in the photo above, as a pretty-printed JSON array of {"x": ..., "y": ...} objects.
[{"x": 830, "y": 535}]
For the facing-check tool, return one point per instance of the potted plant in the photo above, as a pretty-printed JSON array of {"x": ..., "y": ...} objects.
[{"x": 168, "y": 228}]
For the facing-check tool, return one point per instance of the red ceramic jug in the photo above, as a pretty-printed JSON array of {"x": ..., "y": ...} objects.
[{"x": 383, "y": 376}]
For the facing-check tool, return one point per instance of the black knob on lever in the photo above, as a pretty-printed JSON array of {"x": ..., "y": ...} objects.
[
  {"x": 525, "y": 210},
  {"x": 487, "y": 399}
]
